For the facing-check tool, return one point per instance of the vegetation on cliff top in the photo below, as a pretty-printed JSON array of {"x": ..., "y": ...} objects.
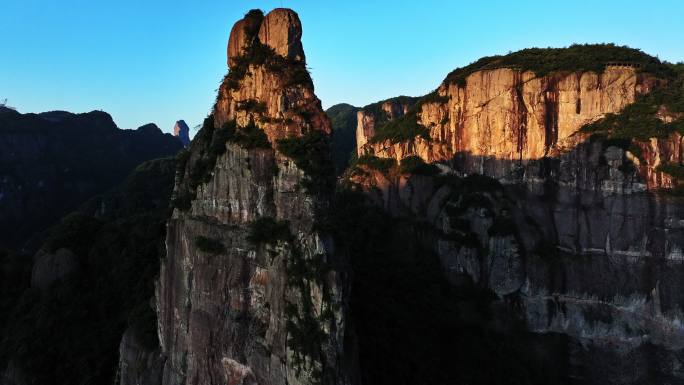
[
  {"x": 380, "y": 116},
  {"x": 384, "y": 165},
  {"x": 575, "y": 58},
  {"x": 405, "y": 128},
  {"x": 640, "y": 120},
  {"x": 401, "y": 130},
  {"x": 637, "y": 121}
]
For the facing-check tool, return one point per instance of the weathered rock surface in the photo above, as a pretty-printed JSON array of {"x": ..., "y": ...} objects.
[
  {"x": 512, "y": 115},
  {"x": 244, "y": 314},
  {"x": 239, "y": 39},
  {"x": 503, "y": 119},
  {"x": 283, "y": 101},
  {"x": 182, "y": 132},
  {"x": 282, "y": 31}
]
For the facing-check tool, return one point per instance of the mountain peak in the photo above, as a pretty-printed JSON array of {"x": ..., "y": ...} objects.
[
  {"x": 182, "y": 132},
  {"x": 280, "y": 30}
]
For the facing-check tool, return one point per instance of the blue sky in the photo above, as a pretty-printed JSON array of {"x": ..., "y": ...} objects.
[{"x": 159, "y": 61}]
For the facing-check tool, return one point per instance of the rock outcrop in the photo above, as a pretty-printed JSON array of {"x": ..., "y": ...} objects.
[
  {"x": 282, "y": 31},
  {"x": 377, "y": 113},
  {"x": 242, "y": 35},
  {"x": 250, "y": 291},
  {"x": 182, "y": 132}
]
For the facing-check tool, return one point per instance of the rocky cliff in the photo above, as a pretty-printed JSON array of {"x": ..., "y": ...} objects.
[
  {"x": 567, "y": 223},
  {"x": 52, "y": 162},
  {"x": 251, "y": 290},
  {"x": 496, "y": 121},
  {"x": 509, "y": 114},
  {"x": 377, "y": 114}
]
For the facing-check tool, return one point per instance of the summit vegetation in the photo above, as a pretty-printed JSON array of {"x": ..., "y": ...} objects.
[{"x": 575, "y": 58}]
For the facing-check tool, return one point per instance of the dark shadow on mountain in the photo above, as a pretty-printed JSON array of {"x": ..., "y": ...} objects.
[
  {"x": 62, "y": 315},
  {"x": 52, "y": 162},
  {"x": 597, "y": 251}
]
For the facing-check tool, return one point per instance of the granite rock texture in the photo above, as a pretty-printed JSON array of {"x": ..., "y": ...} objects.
[{"x": 253, "y": 311}]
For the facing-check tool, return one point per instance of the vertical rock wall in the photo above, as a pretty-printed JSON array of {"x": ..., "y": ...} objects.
[{"x": 254, "y": 311}]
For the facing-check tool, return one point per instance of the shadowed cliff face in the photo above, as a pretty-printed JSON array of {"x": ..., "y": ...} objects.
[
  {"x": 52, "y": 162},
  {"x": 577, "y": 245},
  {"x": 250, "y": 290},
  {"x": 600, "y": 266}
]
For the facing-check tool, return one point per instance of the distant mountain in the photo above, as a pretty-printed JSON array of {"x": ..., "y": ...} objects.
[
  {"x": 182, "y": 132},
  {"x": 343, "y": 118},
  {"x": 53, "y": 161}
]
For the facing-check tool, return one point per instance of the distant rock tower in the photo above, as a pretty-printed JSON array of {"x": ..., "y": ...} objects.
[{"x": 182, "y": 132}]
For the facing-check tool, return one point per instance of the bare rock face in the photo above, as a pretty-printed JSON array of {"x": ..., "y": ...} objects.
[
  {"x": 237, "y": 42},
  {"x": 242, "y": 35},
  {"x": 182, "y": 132},
  {"x": 508, "y": 115},
  {"x": 282, "y": 31},
  {"x": 246, "y": 310},
  {"x": 282, "y": 103}
]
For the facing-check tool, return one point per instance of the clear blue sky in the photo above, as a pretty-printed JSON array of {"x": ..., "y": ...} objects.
[{"x": 158, "y": 61}]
